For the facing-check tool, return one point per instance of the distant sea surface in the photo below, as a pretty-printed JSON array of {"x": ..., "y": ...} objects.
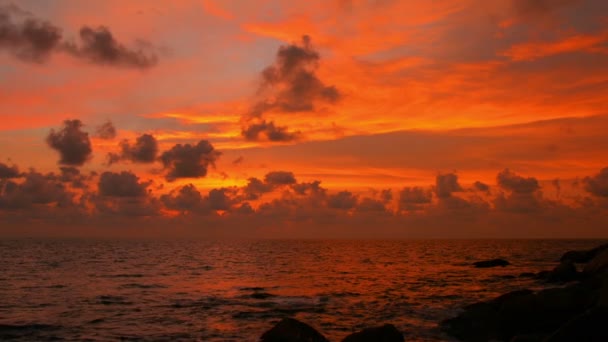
[{"x": 100, "y": 290}]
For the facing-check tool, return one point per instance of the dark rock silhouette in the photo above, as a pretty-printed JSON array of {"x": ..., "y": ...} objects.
[
  {"x": 385, "y": 333},
  {"x": 584, "y": 256},
  {"x": 292, "y": 330},
  {"x": 597, "y": 265},
  {"x": 577, "y": 312},
  {"x": 564, "y": 272},
  {"x": 491, "y": 263},
  {"x": 589, "y": 327}
]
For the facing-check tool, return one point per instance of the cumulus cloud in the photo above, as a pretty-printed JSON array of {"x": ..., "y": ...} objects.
[
  {"x": 510, "y": 181},
  {"x": 9, "y": 171},
  {"x": 481, "y": 186},
  {"x": 414, "y": 198},
  {"x": 277, "y": 178},
  {"x": 289, "y": 85},
  {"x": 445, "y": 184},
  {"x": 124, "y": 184},
  {"x": 36, "y": 189},
  {"x": 71, "y": 142},
  {"x": 189, "y": 161},
  {"x": 106, "y": 131},
  {"x": 99, "y": 46},
  {"x": 309, "y": 188},
  {"x": 34, "y": 40},
  {"x": 30, "y": 40},
  {"x": 263, "y": 130},
  {"x": 186, "y": 198},
  {"x": 144, "y": 150},
  {"x": 371, "y": 205},
  {"x": 597, "y": 185},
  {"x": 344, "y": 200}
]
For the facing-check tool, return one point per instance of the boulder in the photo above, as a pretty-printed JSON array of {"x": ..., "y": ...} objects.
[
  {"x": 583, "y": 256},
  {"x": 491, "y": 263},
  {"x": 385, "y": 333},
  {"x": 292, "y": 330},
  {"x": 589, "y": 327},
  {"x": 564, "y": 272},
  {"x": 597, "y": 265}
]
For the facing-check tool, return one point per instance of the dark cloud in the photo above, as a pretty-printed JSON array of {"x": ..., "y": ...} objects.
[
  {"x": 36, "y": 189},
  {"x": 144, "y": 150},
  {"x": 414, "y": 198},
  {"x": 219, "y": 199},
  {"x": 124, "y": 184},
  {"x": 512, "y": 182},
  {"x": 371, "y": 205},
  {"x": 99, "y": 46},
  {"x": 276, "y": 178},
  {"x": 188, "y": 161},
  {"x": 72, "y": 175},
  {"x": 255, "y": 188},
  {"x": 289, "y": 85},
  {"x": 238, "y": 161},
  {"x": 386, "y": 195},
  {"x": 71, "y": 142},
  {"x": 34, "y": 40},
  {"x": 185, "y": 199},
  {"x": 9, "y": 171},
  {"x": 267, "y": 131},
  {"x": 481, "y": 186},
  {"x": 598, "y": 184},
  {"x": 31, "y": 39},
  {"x": 344, "y": 200},
  {"x": 107, "y": 131},
  {"x": 312, "y": 188},
  {"x": 445, "y": 184}
]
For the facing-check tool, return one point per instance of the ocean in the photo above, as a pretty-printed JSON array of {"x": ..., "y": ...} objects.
[{"x": 234, "y": 290}]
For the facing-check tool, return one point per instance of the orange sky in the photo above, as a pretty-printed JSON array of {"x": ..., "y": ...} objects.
[{"x": 363, "y": 96}]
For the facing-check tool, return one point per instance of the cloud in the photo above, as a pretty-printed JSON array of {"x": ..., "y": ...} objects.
[
  {"x": 445, "y": 184},
  {"x": 189, "y": 161},
  {"x": 414, "y": 198},
  {"x": 219, "y": 199},
  {"x": 106, "y": 131},
  {"x": 371, "y": 205},
  {"x": 255, "y": 188},
  {"x": 99, "y": 46},
  {"x": 31, "y": 40},
  {"x": 124, "y": 184},
  {"x": 598, "y": 184},
  {"x": 268, "y": 131},
  {"x": 517, "y": 184},
  {"x": 34, "y": 40},
  {"x": 289, "y": 85},
  {"x": 185, "y": 199},
  {"x": 36, "y": 189},
  {"x": 7, "y": 172},
  {"x": 144, "y": 150},
  {"x": 481, "y": 186},
  {"x": 71, "y": 142},
  {"x": 277, "y": 178},
  {"x": 344, "y": 200},
  {"x": 311, "y": 188},
  {"x": 72, "y": 175}
]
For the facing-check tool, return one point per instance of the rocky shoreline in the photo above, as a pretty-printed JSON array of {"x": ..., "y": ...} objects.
[{"x": 576, "y": 309}]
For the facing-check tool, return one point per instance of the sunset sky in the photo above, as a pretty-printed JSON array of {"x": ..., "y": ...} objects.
[{"x": 334, "y": 118}]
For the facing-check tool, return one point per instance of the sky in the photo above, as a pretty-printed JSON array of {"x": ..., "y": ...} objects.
[{"x": 304, "y": 119}]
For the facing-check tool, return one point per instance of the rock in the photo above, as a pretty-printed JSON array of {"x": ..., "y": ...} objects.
[
  {"x": 542, "y": 275},
  {"x": 564, "y": 272},
  {"x": 529, "y": 338},
  {"x": 385, "y": 333},
  {"x": 589, "y": 327},
  {"x": 491, "y": 263},
  {"x": 292, "y": 330},
  {"x": 584, "y": 256},
  {"x": 597, "y": 265},
  {"x": 527, "y": 275}
]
